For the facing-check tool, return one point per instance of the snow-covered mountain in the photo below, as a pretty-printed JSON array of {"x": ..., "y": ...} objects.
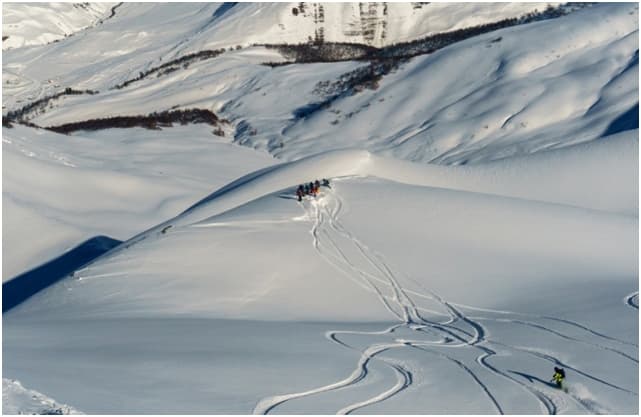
[
  {"x": 480, "y": 228},
  {"x": 26, "y": 24}
]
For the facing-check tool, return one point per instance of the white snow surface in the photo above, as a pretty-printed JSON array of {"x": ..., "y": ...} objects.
[
  {"x": 17, "y": 399},
  {"x": 27, "y": 24},
  {"x": 481, "y": 226},
  {"x": 423, "y": 270},
  {"x": 113, "y": 183},
  {"x": 231, "y": 24},
  {"x": 510, "y": 92}
]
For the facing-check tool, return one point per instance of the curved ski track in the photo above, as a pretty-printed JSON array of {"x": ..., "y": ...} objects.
[
  {"x": 632, "y": 300},
  {"x": 330, "y": 238}
]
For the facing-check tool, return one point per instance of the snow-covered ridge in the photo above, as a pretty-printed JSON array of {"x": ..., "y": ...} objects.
[
  {"x": 570, "y": 169},
  {"x": 560, "y": 184}
]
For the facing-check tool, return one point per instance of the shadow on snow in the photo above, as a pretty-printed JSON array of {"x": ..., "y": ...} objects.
[
  {"x": 627, "y": 121},
  {"x": 29, "y": 283}
]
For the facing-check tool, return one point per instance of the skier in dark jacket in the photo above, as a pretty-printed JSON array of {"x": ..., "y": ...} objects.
[
  {"x": 326, "y": 183},
  {"x": 558, "y": 377},
  {"x": 300, "y": 192}
]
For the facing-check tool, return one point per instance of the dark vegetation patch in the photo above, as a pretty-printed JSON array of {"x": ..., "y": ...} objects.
[
  {"x": 382, "y": 61},
  {"x": 21, "y": 114},
  {"x": 173, "y": 65},
  {"x": 113, "y": 11},
  {"x": 349, "y": 83},
  {"x": 154, "y": 121},
  {"x": 319, "y": 51}
]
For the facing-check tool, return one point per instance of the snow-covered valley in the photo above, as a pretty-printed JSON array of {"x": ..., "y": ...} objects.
[{"x": 480, "y": 226}]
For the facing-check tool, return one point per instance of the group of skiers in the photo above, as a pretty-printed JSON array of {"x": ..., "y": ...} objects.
[{"x": 311, "y": 189}]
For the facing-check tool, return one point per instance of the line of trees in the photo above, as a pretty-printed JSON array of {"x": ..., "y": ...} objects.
[
  {"x": 316, "y": 51},
  {"x": 173, "y": 65},
  {"x": 156, "y": 121},
  {"x": 21, "y": 114}
]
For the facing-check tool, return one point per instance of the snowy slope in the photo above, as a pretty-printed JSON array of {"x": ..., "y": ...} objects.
[
  {"x": 119, "y": 184},
  {"x": 440, "y": 283},
  {"x": 481, "y": 226},
  {"x": 17, "y": 399},
  {"x": 30, "y": 24},
  {"x": 376, "y": 24},
  {"x": 129, "y": 42},
  {"x": 511, "y": 92},
  {"x": 256, "y": 196}
]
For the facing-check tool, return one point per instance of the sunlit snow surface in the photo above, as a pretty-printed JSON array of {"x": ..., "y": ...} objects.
[
  {"x": 419, "y": 296},
  {"x": 17, "y": 399},
  {"x": 407, "y": 287}
]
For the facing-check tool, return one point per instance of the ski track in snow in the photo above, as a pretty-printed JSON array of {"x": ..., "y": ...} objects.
[
  {"x": 330, "y": 238},
  {"x": 632, "y": 300}
]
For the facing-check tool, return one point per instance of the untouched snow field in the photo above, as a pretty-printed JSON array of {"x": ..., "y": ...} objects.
[
  {"x": 105, "y": 183},
  {"x": 27, "y": 24},
  {"x": 481, "y": 227}
]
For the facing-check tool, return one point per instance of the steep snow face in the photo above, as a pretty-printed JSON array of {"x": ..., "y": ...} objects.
[{"x": 31, "y": 24}]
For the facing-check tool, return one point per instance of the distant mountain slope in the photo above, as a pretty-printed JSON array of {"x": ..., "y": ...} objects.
[
  {"x": 130, "y": 43},
  {"x": 510, "y": 92},
  {"x": 229, "y": 24},
  {"x": 28, "y": 24},
  {"x": 375, "y": 24}
]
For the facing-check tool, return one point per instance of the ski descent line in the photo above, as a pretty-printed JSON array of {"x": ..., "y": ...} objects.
[{"x": 451, "y": 329}]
